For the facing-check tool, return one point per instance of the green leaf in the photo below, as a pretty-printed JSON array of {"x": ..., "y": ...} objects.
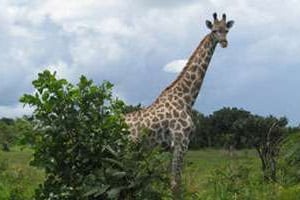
[{"x": 95, "y": 192}]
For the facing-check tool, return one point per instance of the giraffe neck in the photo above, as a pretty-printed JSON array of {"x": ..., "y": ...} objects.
[{"x": 187, "y": 85}]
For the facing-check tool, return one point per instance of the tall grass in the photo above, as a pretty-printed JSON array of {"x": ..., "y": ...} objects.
[
  {"x": 208, "y": 175},
  {"x": 18, "y": 179}
]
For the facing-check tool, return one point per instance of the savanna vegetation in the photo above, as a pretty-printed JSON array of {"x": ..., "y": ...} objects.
[{"x": 76, "y": 146}]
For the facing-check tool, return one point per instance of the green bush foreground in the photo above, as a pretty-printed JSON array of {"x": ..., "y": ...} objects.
[{"x": 81, "y": 142}]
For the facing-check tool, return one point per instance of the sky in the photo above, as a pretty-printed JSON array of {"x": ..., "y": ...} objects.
[{"x": 141, "y": 46}]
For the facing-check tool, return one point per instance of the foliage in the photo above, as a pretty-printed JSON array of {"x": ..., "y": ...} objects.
[
  {"x": 212, "y": 174},
  {"x": 290, "y": 160},
  {"x": 265, "y": 135},
  {"x": 13, "y": 130},
  {"x": 18, "y": 180},
  {"x": 233, "y": 128},
  {"x": 131, "y": 108},
  {"x": 201, "y": 137},
  {"x": 82, "y": 144},
  {"x": 7, "y": 135},
  {"x": 235, "y": 181},
  {"x": 202, "y": 169}
]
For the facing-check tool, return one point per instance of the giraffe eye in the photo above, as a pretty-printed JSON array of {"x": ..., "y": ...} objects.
[{"x": 214, "y": 31}]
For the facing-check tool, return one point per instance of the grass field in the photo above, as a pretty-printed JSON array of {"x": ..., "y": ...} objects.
[
  {"x": 208, "y": 174},
  {"x": 18, "y": 179}
]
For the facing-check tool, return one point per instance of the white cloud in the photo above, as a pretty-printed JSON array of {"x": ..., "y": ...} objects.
[
  {"x": 175, "y": 66},
  {"x": 127, "y": 42}
]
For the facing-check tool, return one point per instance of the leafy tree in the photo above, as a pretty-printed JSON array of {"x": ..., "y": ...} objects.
[
  {"x": 202, "y": 136},
  {"x": 7, "y": 135},
  {"x": 265, "y": 135},
  {"x": 131, "y": 108},
  {"x": 82, "y": 143},
  {"x": 216, "y": 130},
  {"x": 7, "y": 121},
  {"x": 222, "y": 122}
]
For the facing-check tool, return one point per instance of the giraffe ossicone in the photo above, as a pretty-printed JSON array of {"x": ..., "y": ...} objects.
[{"x": 169, "y": 119}]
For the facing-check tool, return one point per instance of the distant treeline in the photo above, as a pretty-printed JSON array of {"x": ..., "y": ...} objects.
[
  {"x": 237, "y": 128},
  {"x": 13, "y": 131}
]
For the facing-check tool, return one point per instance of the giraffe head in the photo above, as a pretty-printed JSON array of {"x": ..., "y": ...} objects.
[{"x": 220, "y": 28}]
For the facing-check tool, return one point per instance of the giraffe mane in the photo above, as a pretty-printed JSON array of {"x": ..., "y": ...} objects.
[{"x": 183, "y": 70}]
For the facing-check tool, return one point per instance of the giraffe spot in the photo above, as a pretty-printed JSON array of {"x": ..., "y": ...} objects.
[
  {"x": 159, "y": 135},
  {"x": 183, "y": 123},
  {"x": 207, "y": 59},
  {"x": 165, "y": 146},
  {"x": 181, "y": 103},
  {"x": 204, "y": 66},
  {"x": 185, "y": 88},
  {"x": 185, "y": 142},
  {"x": 155, "y": 119},
  {"x": 172, "y": 123},
  {"x": 188, "y": 82},
  {"x": 183, "y": 115},
  {"x": 193, "y": 76},
  {"x": 161, "y": 116},
  {"x": 162, "y": 110},
  {"x": 167, "y": 105},
  {"x": 175, "y": 113},
  {"x": 194, "y": 68},
  {"x": 168, "y": 115},
  {"x": 187, "y": 75},
  {"x": 165, "y": 123},
  {"x": 178, "y": 127},
  {"x": 206, "y": 45},
  {"x": 187, "y": 98},
  {"x": 155, "y": 126},
  {"x": 198, "y": 83}
]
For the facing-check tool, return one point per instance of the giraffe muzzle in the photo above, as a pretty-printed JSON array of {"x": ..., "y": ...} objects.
[{"x": 224, "y": 43}]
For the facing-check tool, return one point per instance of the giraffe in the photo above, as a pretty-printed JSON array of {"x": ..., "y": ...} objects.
[{"x": 168, "y": 118}]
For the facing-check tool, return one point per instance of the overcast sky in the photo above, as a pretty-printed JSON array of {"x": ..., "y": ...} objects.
[{"x": 141, "y": 45}]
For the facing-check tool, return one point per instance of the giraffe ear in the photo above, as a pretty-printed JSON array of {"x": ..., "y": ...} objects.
[
  {"x": 229, "y": 24},
  {"x": 208, "y": 24}
]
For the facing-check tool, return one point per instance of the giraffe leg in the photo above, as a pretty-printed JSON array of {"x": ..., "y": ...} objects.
[
  {"x": 177, "y": 163},
  {"x": 181, "y": 142}
]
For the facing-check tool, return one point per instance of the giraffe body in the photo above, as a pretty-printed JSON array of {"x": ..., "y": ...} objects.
[{"x": 168, "y": 120}]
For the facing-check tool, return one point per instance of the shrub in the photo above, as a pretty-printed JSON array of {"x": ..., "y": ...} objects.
[
  {"x": 290, "y": 160},
  {"x": 82, "y": 144}
]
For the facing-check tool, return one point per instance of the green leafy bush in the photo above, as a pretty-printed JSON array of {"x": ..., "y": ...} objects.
[
  {"x": 82, "y": 143},
  {"x": 290, "y": 160}
]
